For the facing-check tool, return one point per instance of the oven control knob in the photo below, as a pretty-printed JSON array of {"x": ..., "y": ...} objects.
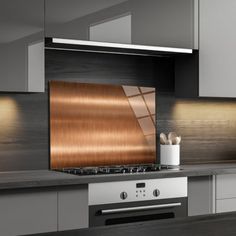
[
  {"x": 123, "y": 195},
  {"x": 156, "y": 192}
]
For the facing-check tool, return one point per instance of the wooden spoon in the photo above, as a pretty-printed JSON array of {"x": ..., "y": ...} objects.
[
  {"x": 172, "y": 137},
  {"x": 163, "y": 139},
  {"x": 178, "y": 140}
]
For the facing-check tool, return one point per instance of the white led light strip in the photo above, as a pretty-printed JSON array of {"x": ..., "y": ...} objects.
[{"x": 119, "y": 45}]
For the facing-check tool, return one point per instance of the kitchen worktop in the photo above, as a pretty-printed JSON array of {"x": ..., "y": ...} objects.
[
  {"x": 209, "y": 225},
  {"x": 47, "y": 178}
]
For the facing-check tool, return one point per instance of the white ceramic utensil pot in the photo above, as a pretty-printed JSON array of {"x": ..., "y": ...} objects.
[{"x": 170, "y": 155}]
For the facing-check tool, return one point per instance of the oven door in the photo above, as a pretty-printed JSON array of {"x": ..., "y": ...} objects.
[{"x": 122, "y": 213}]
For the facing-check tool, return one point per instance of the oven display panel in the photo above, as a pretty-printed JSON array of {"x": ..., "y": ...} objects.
[{"x": 140, "y": 185}]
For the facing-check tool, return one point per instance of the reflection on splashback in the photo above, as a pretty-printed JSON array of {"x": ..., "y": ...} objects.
[
  {"x": 23, "y": 131},
  {"x": 142, "y": 102},
  {"x": 9, "y": 115},
  {"x": 95, "y": 124},
  {"x": 207, "y": 127}
]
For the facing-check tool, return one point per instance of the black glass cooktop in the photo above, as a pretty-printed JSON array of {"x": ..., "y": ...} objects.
[{"x": 120, "y": 169}]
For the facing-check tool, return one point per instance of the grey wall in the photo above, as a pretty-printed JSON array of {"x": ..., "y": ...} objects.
[{"x": 207, "y": 126}]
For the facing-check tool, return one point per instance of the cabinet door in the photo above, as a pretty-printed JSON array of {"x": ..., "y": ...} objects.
[
  {"x": 22, "y": 45},
  {"x": 217, "y": 39},
  {"x": 28, "y": 212},
  {"x": 225, "y": 193},
  {"x": 73, "y": 208},
  {"x": 225, "y": 186},
  {"x": 201, "y": 195},
  {"x": 225, "y": 205},
  {"x": 150, "y": 22}
]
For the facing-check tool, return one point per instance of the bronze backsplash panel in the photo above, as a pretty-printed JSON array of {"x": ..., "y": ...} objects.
[{"x": 95, "y": 124}]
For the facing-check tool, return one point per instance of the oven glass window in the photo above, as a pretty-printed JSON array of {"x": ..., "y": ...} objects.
[{"x": 133, "y": 219}]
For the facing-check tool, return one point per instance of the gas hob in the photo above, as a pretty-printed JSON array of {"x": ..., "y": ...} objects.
[{"x": 120, "y": 169}]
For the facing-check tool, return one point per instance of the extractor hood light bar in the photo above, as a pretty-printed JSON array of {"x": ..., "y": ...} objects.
[{"x": 119, "y": 45}]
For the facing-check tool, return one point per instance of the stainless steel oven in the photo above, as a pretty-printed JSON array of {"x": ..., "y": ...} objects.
[{"x": 134, "y": 201}]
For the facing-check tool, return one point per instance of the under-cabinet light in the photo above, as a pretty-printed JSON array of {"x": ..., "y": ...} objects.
[{"x": 119, "y": 45}]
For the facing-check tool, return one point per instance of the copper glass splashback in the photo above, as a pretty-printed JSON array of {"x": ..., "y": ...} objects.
[{"x": 95, "y": 125}]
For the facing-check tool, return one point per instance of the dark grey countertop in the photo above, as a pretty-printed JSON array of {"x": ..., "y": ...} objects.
[
  {"x": 47, "y": 178},
  {"x": 209, "y": 225}
]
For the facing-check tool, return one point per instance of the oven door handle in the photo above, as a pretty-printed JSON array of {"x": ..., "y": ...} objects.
[{"x": 140, "y": 208}]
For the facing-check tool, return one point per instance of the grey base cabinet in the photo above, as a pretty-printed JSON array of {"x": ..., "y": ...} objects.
[
  {"x": 211, "y": 194},
  {"x": 201, "y": 195},
  {"x": 225, "y": 193},
  {"x": 25, "y": 212},
  {"x": 73, "y": 208},
  {"x": 28, "y": 212},
  {"x": 225, "y": 205}
]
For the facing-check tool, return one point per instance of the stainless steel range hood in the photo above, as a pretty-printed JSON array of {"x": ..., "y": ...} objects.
[{"x": 105, "y": 47}]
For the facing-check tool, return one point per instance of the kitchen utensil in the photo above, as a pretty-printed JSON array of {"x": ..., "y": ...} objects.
[
  {"x": 163, "y": 139},
  {"x": 172, "y": 137},
  {"x": 178, "y": 140}
]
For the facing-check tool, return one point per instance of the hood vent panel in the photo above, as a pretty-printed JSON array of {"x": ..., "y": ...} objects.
[{"x": 104, "y": 47}]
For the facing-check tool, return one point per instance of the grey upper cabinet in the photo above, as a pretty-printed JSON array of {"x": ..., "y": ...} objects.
[
  {"x": 217, "y": 48},
  {"x": 22, "y": 45},
  {"x": 167, "y": 23}
]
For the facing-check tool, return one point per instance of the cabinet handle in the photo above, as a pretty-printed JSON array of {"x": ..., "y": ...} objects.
[{"x": 141, "y": 208}]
